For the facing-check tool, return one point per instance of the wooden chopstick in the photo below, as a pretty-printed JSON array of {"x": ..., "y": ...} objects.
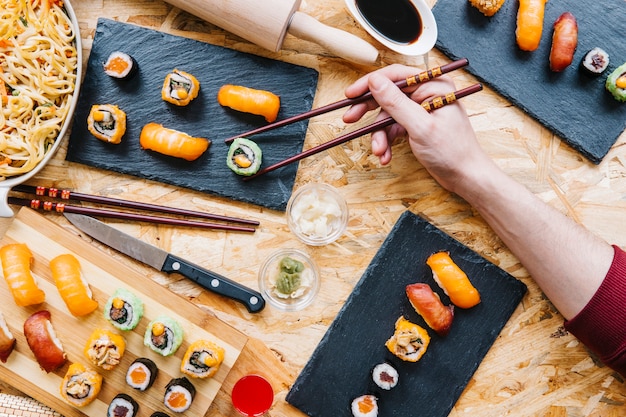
[
  {"x": 98, "y": 212},
  {"x": 430, "y": 105},
  {"x": 413, "y": 80},
  {"x": 71, "y": 195}
]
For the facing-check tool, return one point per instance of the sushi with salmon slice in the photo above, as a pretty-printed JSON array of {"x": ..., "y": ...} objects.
[
  {"x": 428, "y": 305},
  {"x": 179, "y": 395},
  {"x": 123, "y": 309},
  {"x": 180, "y": 87},
  {"x": 72, "y": 285},
  {"x": 16, "y": 259},
  {"x": 141, "y": 374},
  {"x": 452, "y": 280},
  {"x": 250, "y": 100},
  {"x": 43, "y": 341},
  {"x": 172, "y": 142},
  {"x": 80, "y": 386},
  {"x": 163, "y": 335},
  {"x": 365, "y": 406},
  {"x": 7, "y": 340},
  {"x": 105, "y": 348},
  {"x": 202, "y": 359},
  {"x": 409, "y": 341},
  {"x": 120, "y": 65}
]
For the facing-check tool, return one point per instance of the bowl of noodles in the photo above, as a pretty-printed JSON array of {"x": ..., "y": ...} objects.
[{"x": 40, "y": 77}]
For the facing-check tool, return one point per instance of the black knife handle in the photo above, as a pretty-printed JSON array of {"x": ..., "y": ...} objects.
[{"x": 216, "y": 283}]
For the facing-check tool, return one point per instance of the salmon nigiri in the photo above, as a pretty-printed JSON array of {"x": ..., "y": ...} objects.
[
  {"x": 250, "y": 100},
  {"x": 453, "y": 281},
  {"x": 72, "y": 286},
  {"x": 16, "y": 260},
  {"x": 171, "y": 142}
]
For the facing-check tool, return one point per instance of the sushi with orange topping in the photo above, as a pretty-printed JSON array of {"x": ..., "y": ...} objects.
[
  {"x": 452, "y": 280},
  {"x": 180, "y": 87},
  {"x": 16, "y": 261},
  {"x": 179, "y": 395},
  {"x": 80, "y": 386},
  {"x": 105, "y": 348},
  {"x": 171, "y": 142},
  {"x": 123, "y": 309},
  {"x": 409, "y": 341},
  {"x": 72, "y": 285},
  {"x": 141, "y": 374},
  {"x": 163, "y": 335}
]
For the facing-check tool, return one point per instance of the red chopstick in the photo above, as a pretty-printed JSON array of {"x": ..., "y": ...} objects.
[
  {"x": 430, "y": 105},
  {"x": 71, "y": 195},
  {"x": 415, "y": 79},
  {"x": 98, "y": 212}
]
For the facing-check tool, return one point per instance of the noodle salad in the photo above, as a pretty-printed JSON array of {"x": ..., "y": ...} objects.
[{"x": 38, "y": 74}]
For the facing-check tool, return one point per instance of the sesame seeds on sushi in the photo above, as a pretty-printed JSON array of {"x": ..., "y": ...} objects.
[{"x": 120, "y": 65}]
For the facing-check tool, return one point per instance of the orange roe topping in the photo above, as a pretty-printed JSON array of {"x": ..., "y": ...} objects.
[
  {"x": 366, "y": 405},
  {"x": 177, "y": 400},
  {"x": 118, "y": 65},
  {"x": 138, "y": 375}
]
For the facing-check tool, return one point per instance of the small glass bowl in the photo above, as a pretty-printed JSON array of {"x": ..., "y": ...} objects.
[
  {"x": 317, "y": 214},
  {"x": 301, "y": 297}
]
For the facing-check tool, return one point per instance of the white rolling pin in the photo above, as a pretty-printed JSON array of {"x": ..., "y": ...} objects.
[{"x": 266, "y": 22}]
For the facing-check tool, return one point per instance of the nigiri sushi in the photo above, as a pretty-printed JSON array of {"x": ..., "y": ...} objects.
[
  {"x": 180, "y": 87},
  {"x": 105, "y": 348},
  {"x": 80, "y": 386},
  {"x": 529, "y": 24},
  {"x": 43, "y": 341},
  {"x": 72, "y": 285},
  {"x": 409, "y": 341},
  {"x": 428, "y": 305},
  {"x": 172, "y": 142},
  {"x": 163, "y": 335},
  {"x": 202, "y": 359},
  {"x": 7, "y": 340},
  {"x": 123, "y": 309},
  {"x": 16, "y": 261},
  {"x": 453, "y": 281},
  {"x": 249, "y": 100}
]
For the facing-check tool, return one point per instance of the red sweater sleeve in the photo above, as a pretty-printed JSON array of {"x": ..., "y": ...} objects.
[{"x": 601, "y": 324}]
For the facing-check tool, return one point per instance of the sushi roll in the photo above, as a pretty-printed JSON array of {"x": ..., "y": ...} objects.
[
  {"x": 159, "y": 414},
  {"x": 179, "y": 88},
  {"x": 141, "y": 374},
  {"x": 385, "y": 376},
  {"x": 105, "y": 348},
  {"x": 595, "y": 61},
  {"x": 244, "y": 157},
  {"x": 43, "y": 341},
  {"x": 616, "y": 83},
  {"x": 409, "y": 341},
  {"x": 7, "y": 340},
  {"x": 123, "y": 309},
  {"x": 163, "y": 335},
  {"x": 80, "y": 386},
  {"x": 452, "y": 280},
  {"x": 16, "y": 260},
  {"x": 107, "y": 122},
  {"x": 172, "y": 142},
  {"x": 120, "y": 65},
  {"x": 179, "y": 394},
  {"x": 365, "y": 406},
  {"x": 202, "y": 359},
  {"x": 249, "y": 100},
  {"x": 72, "y": 285},
  {"x": 122, "y": 405}
]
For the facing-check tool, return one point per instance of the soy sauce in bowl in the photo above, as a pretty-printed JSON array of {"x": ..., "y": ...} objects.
[{"x": 397, "y": 20}]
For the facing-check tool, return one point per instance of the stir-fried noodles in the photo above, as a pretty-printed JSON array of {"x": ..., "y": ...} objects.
[{"x": 38, "y": 70}]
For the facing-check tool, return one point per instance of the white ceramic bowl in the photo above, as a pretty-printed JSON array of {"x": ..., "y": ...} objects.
[
  {"x": 305, "y": 292},
  {"x": 6, "y": 185},
  {"x": 424, "y": 42},
  {"x": 317, "y": 214}
]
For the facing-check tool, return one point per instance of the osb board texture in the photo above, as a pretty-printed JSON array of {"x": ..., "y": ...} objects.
[{"x": 533, "y": 368}]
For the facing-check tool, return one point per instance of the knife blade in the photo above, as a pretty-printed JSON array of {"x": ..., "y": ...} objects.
[{"x": 167, "y": 262}]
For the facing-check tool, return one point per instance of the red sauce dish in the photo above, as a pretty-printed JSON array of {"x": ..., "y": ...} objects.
[{"x": 252, "y": 396}]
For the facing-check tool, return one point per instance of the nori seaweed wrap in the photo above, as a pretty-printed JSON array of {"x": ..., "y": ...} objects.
[
  {"x": 163, "y": 335},
  {"x": 123, "y": 309}
]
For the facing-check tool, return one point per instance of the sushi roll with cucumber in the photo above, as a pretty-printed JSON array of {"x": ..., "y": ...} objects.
[
  {"x": 107, "y": 122},
  {"x": 179, "y": 394},
  {"x": 595, "y": 62},
  {"x": 120, "y": 65},
  {"x": 616, "y": 83},
  {"x": 123, "y": 309},
  {"x": 122, "y": 405},
  {"x": 141, "y": 374},
  {"x": 244, "y": 157},
  {"x": 80, "y": 386},
  {"x": 180, "y": 87},
  {"x": 202, "y": 359},
  {"x": 163, "y": 335}
]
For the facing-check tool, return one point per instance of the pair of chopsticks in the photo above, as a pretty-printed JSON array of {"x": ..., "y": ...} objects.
[{"x": 246, "y": 225}]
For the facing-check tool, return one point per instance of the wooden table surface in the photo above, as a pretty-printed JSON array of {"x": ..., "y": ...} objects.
[{"x": 535, "y": 368}]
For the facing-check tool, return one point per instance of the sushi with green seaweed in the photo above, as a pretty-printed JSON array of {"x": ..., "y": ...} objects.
[
  {"x": 122, "y": 405},
  {"x": 120, "y": 65},
  {"x": 616, "y": 83},
  {"x": 179, "y": 394},
  {"x": 595, "y": 62},
  {"x": 163, "y": 335},
  {"x": 123, "y": 309},
  {"x": 244, "y": 157}
]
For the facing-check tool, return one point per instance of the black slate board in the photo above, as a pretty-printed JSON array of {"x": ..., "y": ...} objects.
[
  {"x": 572, "y": 105},
  {"x": 340, "y": 368},
  {"x": 157, "y": 54}
]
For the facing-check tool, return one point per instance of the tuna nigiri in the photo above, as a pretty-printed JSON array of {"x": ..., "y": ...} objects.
[
  {"x": 249, "y": 100},
  {"x": 428, "y": 305},
  {"x": 72, "y": 286},
  {"x": 172, "y": 142},
  {"x": 43, "y": 341},
  {"x": 453, "y": 281},
  {"x": 7, "y": 340},
  {"x": 16, "y": 260}
]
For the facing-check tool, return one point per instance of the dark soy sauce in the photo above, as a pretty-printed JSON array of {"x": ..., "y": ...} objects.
[{"x": 396, "y": 20}]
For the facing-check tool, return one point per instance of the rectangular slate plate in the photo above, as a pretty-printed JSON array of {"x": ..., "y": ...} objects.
[
  {"x": 340, "y": 368},
  {"x": 572, "y": 105},
  {"x": 157, "y": 54}
]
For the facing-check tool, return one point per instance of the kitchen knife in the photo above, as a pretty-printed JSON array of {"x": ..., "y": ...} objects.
[{"x": 166, "y": 262}]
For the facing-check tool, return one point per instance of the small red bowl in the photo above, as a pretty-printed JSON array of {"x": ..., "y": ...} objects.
[{"x": 252, "y": 396}]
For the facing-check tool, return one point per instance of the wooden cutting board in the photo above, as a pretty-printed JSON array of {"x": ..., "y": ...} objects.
[{"x": 104, "y": 274}]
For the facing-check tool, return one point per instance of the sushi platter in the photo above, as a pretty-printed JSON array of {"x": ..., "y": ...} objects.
[{"x": 47, "y": 240}]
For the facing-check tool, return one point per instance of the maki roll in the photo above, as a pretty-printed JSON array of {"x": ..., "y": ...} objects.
[
  {"x": 120, "y": 65},
  {"x": 365, "y": 406},
  {"x": 105, "y": 348},
  {"x": 122, "y": 405},
  {"x": 616, "y": 83},
  {"x": 385, "y": 376},
  {"x": 595, "y": 61},
  {"x": 159, "y": 414},
  {"x": 409, "y": 341},
  {"x": 179, "y": 394},
  {"x": 202, "y": 359},
  {"x": 141, "y": 374},
  {"x": 244, "y": 157},
  {"x": 107, "y": 122},
  {"x": 123, "y": 309},
  {"x": 179, "y": 88},
  {"x": 72, "y": 285},
  {"x": 80, "y": 386},
  {"x": 163, "y": 335},
  {"x": 7, "y": 340}
]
